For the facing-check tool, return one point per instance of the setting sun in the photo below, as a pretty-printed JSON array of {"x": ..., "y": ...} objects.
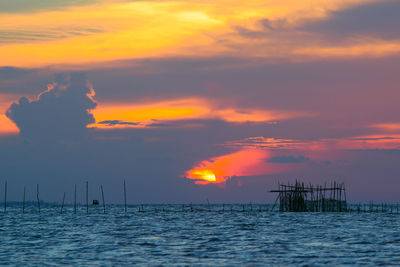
[{"x": 246, "y": 162}]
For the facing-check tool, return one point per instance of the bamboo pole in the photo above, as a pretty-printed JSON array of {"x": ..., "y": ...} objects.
[
  {"x": 125, "y": 196},
  {"x": 345, "y": 198},
  {"x": 62, "y": 204},
  {"x": 334, "y": 203},
  {"x": 340, "y": 197},
  {"x": 23, "y": 202},
  {"x": 87, "y": 197},
  {"x": 102, "y": 195},
  {"x": 75, "y": 200},
  {"x": 37, "y": 197},
  {"x": 5, "y": 197}
]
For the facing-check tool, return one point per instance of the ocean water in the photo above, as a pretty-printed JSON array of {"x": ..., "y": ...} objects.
[{"x": 166, "y": 235}]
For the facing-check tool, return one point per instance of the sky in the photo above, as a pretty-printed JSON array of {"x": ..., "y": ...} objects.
[{"x": 194, "y": 100}]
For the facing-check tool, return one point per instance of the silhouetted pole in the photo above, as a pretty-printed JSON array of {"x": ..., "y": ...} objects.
[
  {"x": 5, "y": 197},
  {"x": 75, "y": 200},
  {"x": 102, "y": 196},
  {"x": 23, "y": 202},
  {"x": 125, "y": 195},
  {"x": 37, "y": 197},
  {"x": 62, "y": 205},
  {"x": 345, "y": 198},
  {"x": 87, "y": 197}
]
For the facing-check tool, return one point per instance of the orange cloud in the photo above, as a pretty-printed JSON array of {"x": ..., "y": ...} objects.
[
  {"x": 364, "y": 48},
  {"x": 246, "y": 162},
  {"x": 145, "y": 114},
  {"x": 370, "y": 142},
  {"x": 276, "y": 143},
  {"x": 7, "y": 127},
  {"x": 387, "y": 126},
  {"x": 117, "y": 30},
  {"x": 383, "y": 141}
]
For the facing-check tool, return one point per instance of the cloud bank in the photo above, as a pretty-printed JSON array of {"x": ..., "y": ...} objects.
[{"x": 60, "y": 112}]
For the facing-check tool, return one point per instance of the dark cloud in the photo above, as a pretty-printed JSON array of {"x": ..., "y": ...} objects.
[
  {"x": 11, "y": 73},
  {"x": 159, "y": 124},
  {"x": 267, "y": 28},
  {"x": 288, "y": 159},
  {"x": 252, "y": 34},
  {"x": 374, "y": 138},
  {"x": 118, "y": 122},
  {"x": 233, "y": 182},
  {"x": 61, "y": 112},
  {"x": 274, "y": 25},
  {"x": 377, "y": 19}
]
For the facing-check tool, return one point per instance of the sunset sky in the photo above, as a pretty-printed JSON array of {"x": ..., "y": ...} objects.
[{"x": 194, "y": 100}]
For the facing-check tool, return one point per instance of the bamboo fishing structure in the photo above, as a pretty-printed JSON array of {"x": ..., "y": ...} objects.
[
  {"x": 292, "y": 197},
  {"x": 299, "y": 197}
]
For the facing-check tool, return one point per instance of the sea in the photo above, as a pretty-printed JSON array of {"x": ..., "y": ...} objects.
[{"x": 195, "y": 235}]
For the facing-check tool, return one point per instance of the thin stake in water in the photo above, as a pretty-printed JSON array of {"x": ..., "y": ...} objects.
[
  {"x": 75, "y": 200},
  {"x": 37, "y": 197},
  {"x": 23, "y": 202},
  {"x": 102, "y": 195},
  {"x": 125, "y": 195},
  {"x": 87, "y": 197},
  {"x": 62, "y": 205},
  {"x": 5, "y": 197}
]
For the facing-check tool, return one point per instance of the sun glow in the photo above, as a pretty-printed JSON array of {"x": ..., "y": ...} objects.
[
  {"x": 206, "y": 175},
  {"x": 246, "y": 162}
]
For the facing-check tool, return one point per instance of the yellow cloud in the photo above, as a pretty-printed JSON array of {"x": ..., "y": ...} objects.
[
  {"x": 115, "y": 30},
  {"x": 180, "y": 109}
]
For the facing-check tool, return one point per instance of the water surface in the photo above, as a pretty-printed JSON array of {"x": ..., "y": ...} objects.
[{"x": 166, "y": 235}]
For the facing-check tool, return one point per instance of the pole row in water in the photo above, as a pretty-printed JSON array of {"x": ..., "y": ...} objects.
[
  {"x": 296, "y": 197},
  {"x": 63, "y": 198}
]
